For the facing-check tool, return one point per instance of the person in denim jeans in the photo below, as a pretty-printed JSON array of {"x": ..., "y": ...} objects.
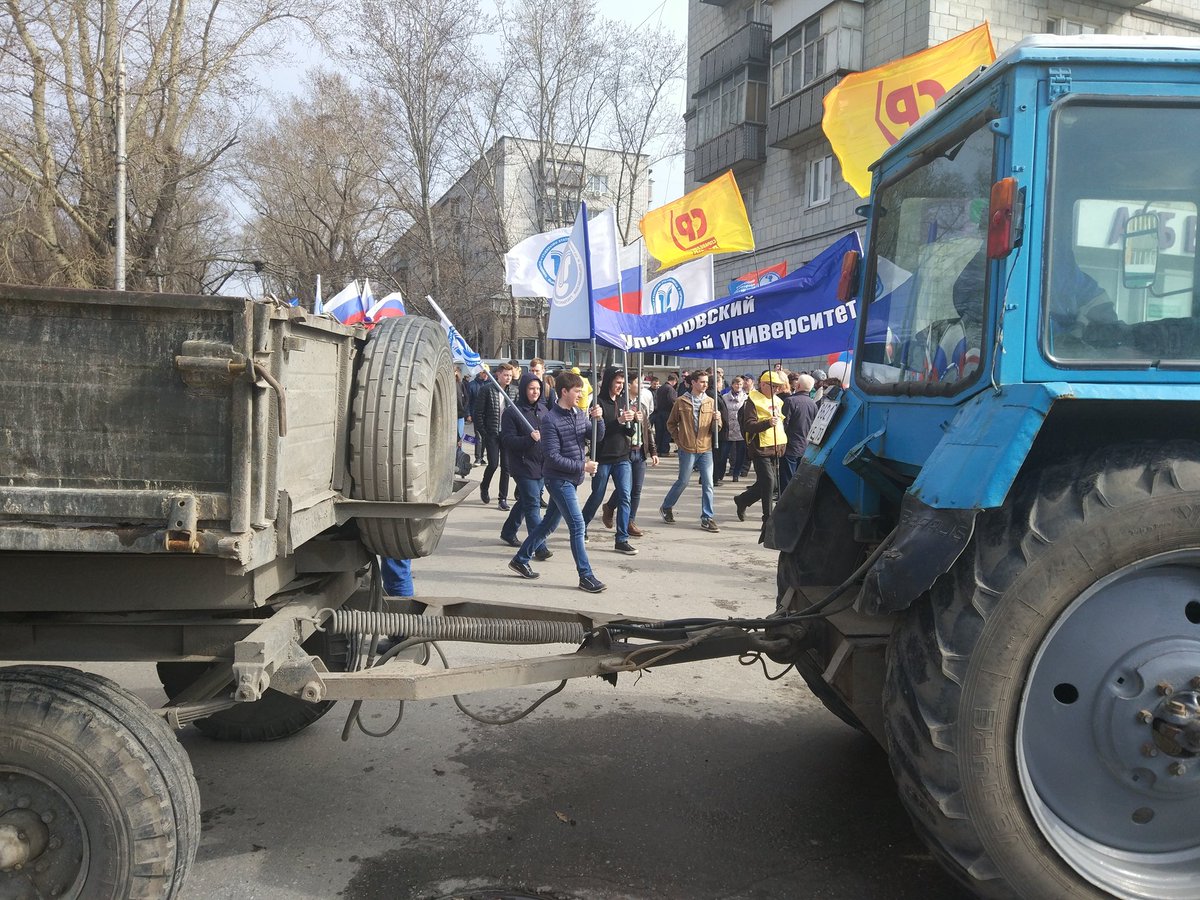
[
  {"x": 521, "y": 437},
  {"x": 644, "y": 451},
  {"x": 565, "y": 432},
  {"x": 691, "y": 426},
  {"x": 612, "y": 456}
]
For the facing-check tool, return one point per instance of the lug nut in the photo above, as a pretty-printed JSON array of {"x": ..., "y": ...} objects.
[
  {"x": 1177, "y": 768},
  {"x": 22, "y": 802},
  {"x": 47, "y": 817},
  {"x": 1164, "y": 688},
  {"x": 1149, "y": 750},
  {"x": 1145, "y": 717}
]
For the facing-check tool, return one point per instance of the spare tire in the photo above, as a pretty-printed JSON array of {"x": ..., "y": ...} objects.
[{"x": 402, "y": 432}]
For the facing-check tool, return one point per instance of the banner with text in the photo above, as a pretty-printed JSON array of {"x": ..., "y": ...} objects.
[{"x": 798, "y": 315}]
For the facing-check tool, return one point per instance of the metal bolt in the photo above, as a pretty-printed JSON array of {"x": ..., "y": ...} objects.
[
  {"x": 55, "y": 843},
  {"x": 47, "y": 817},
  {"x": 22, "y": 836},
  {"x": 1164, "y": 688},
  {"x": 1149, "y": 750},
  {"x": 1145, "y": 717},
  {"x": 22, "y": 802},
  {"x": 1176, "y": 708},
  {"x": 1177, "y": 768}
]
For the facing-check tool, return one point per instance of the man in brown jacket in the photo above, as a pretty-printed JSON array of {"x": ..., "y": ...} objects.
[
  {"x": 691, "y": 426},
  {"x": 761, "y": 418}
]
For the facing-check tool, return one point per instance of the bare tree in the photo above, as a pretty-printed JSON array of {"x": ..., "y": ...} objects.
[
  {"x": 647, "y": 67},
  {"x": 187, "y": 83},
  {"x": 419, "y": 54},
  {"x": 313, "y": 177}
]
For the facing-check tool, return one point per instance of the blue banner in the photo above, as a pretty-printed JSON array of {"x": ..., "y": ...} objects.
[{"x": 798, "y": 315}]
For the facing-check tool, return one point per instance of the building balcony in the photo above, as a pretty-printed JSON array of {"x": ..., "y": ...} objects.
[
  {"x": 750, "y": 44},
  {"x": 741, "y": 148},
  {"x": 789, "y": 123}
]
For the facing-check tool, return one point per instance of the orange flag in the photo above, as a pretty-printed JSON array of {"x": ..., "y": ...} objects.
[
  {"x": 868, "y": 111},
  {"x": 711, "y": 219}
]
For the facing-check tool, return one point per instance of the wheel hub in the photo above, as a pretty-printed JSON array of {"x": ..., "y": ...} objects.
[
  {"x": 1109, "y": 735},
  {"x": 41, "y": 838}
]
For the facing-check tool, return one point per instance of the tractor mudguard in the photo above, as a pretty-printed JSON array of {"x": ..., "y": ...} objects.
[
  {"x": 782, "y": 531},
  {"x": 927, "y": 543}
]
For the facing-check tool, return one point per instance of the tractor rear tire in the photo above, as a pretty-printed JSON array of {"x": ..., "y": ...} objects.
[
  {"x": 403, "y": 432},
  {"x": 97, "y": 786},
  {"x": 1025, "y": 695}
]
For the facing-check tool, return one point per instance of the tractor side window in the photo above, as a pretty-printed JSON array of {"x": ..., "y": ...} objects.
[
  {"x": 925, "y": 309},
  {"x": 1119, "y": 288}
]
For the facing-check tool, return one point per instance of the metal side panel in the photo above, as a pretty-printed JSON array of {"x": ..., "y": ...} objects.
[{"x": 98, "y": 427}]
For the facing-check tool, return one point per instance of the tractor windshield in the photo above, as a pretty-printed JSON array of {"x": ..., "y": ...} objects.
[
  {"x": 1120, "y": 240},
  {"x": 925, "y": 309}
]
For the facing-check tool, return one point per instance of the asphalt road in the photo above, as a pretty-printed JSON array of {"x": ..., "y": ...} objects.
[{"x": 691, "y": 782}]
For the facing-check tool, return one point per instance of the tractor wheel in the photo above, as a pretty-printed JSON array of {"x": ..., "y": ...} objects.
[
  {"x": 403, "y": 432},
  {"x": 1043, "y": 699},
  {"x": 273, "y": 717},
  {"x": 97, "y": 798}
]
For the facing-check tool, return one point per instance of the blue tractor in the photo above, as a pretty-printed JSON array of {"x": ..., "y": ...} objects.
[{"x": 1012, "y": 477}]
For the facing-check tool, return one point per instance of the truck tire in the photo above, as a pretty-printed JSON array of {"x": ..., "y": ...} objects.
[
  {"x": 403, "y": 432},
  {"x": 97, "y": 785},
  {"x": 1041, "y": 710},
  {"x": 273, "y": 717}
]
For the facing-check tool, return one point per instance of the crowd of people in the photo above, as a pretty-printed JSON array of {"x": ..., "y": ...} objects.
[{"x": 546, "y": 436}]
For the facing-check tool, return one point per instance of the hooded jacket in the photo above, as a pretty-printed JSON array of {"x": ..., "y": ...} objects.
[
  {"x": 618, "y": 436},
  {"x": 523, "y": 455}
]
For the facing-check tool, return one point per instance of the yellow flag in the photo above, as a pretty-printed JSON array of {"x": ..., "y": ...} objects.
[
  {"x": 868, "y": 111},
  {"x": 711, "y": 219}
]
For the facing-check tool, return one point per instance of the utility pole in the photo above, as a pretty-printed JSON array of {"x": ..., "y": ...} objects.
[{"x": 119, "y": 212}]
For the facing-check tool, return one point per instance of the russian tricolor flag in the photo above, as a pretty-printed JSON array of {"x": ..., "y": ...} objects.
[
  {"x": 386, "y": 307},
  {"x": 347, "y": 305},
  {"x": 627, "y": 299}
]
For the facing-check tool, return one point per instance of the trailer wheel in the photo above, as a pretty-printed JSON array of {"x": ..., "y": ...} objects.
[
  {"x": 402, "y": 434},
  {"x": 1042, "y": 701},
  {"x": 273, "y": 717},
  {"x": 97, "y": 799}
]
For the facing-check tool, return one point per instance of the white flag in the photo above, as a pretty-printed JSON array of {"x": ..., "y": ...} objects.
[
  {"x": 589, "y": 261},
  {"x": 690, "y": 284},
  {"x": 531, "y": 267}
]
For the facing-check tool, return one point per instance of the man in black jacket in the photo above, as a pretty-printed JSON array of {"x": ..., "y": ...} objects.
[
  {"x": 487, "y": 412},
  {"x": 612, "y": 456}
]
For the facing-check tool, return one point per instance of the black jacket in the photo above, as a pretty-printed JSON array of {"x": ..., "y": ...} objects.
[
  {"x": 522, "y": 453},
  {"x": 799, "y": 410},
  {"x": 489, "y": 406},
  {"x": 618, "y": 437}
]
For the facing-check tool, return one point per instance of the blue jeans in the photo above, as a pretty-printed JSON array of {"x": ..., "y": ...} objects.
[
  {"x": 622, "y": 476},
  {"x": 563, "y": 505},
  {"x": 687, "y": 461},
  {"x": 527, "y": 508},
  {"x": 637, "y": 468},
  {"x": 397, "y": 577}
]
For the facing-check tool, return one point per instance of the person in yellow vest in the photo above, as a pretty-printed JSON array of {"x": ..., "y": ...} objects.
[
  {"x": 761, "y": 418},
  {"x": 585, "y": 396}
]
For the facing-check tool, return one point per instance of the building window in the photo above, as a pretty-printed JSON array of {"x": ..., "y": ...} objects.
[
  {"x": 820, "y": 180},
  {"x": 1069, "y": 27},
  {"x": 597, "y": 184},
  {"x": 532, "y": 306},
  {"x": 826, "y": 43},
  {"x": 660, "y": 359},
  {"x": 528, "y": 348},
  {"x": 735, "y": 100}
]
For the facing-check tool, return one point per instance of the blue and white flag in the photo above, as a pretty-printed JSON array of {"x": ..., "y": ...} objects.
[
  {"x": 460, "y": 350},
  {"x": 531, "y": 267},
  {"x": 590, "y": 260},
  {"x": 685, "y": 286},
  {"x": 798, "y": 315}
]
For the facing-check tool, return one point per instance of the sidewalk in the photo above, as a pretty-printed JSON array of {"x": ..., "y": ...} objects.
[{"x": 679, "y": 570}]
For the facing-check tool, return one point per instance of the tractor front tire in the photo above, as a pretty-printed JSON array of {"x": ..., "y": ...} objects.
[{"x": 1041, "y": 701}]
